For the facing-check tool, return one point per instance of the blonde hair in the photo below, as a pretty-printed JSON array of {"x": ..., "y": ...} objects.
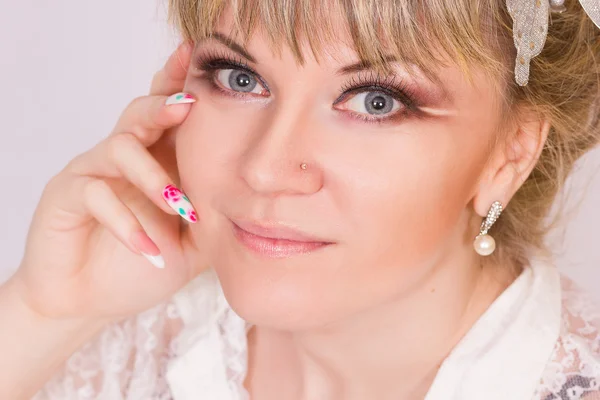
[{"x": 563, "y": 86}]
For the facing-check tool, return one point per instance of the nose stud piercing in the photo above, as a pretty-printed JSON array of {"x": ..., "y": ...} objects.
[
  {"x": 484, "y": 244},
  {"x": 303, "y": 166}
]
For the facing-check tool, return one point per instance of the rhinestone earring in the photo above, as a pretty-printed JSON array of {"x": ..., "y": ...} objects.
[{"x": 484, "y": 244}]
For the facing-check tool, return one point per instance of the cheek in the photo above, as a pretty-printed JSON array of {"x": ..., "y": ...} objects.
[
  {"x": 209, "y": 144},
  {"x": 411, "y": 197},
  {"x": 208, "y": 147}
]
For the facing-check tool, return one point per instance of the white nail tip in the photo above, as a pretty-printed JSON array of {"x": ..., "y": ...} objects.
[
  {"x": 157, "y": 261},
  {"x": 180, "y": 98}
]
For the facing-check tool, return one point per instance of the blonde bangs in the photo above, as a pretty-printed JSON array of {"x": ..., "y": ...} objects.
[{"x": 425, "y": 33}]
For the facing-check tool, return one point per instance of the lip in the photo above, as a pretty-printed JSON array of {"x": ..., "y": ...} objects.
[
  {"x": 276, "y": 240},
  {"x": 276, "y": 231}
]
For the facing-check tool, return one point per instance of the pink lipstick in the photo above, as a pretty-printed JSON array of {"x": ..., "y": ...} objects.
[{"x": 276, "y": 241}]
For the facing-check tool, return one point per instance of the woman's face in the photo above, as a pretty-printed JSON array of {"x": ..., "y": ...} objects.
[{"x": 392, "y": 163}]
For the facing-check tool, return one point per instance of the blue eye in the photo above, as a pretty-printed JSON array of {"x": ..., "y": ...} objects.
[
  {"x": 239, "y": 80},
  {"x": 372, "y": 103}
]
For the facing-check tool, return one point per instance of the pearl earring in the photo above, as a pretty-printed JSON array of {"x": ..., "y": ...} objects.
[{"x": 484, "y": 244}]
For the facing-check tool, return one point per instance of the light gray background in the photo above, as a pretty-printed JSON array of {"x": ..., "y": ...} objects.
[{"x": 69, "y": 67}]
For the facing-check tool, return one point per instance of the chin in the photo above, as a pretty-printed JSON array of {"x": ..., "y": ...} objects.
[{"x": 285, "y": 294}]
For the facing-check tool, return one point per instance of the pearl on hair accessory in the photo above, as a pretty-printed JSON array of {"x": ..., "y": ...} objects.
[
  {"x": 484, "y": 244},
  {"x": 557, "y": 6}
]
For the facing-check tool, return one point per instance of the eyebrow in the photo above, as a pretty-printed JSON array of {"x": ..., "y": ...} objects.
[
  {"x": 361, "y": 66},
  {"x": 229, "y": 42}
]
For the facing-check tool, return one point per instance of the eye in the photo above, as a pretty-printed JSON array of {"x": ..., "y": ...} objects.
[
  {"x": 239, "y": 80},
  {"x": 371, "y": 102}
]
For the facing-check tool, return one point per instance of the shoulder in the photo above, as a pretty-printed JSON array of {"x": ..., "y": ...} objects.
[{"x": 573, "y": 370}]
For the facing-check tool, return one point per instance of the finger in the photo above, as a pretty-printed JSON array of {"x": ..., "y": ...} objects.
[
  {"x": 139, "y": 167},
  {"x": 171, "y": 78},
  {"x": 104, "y": 205},
  {"x": 148, "y": 117},
  {"x": 134, "y": 162},
  {"x": 123, "y": 156}
]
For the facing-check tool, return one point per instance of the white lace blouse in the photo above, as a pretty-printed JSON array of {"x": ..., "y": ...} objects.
[{"x": 539, "y": 340}]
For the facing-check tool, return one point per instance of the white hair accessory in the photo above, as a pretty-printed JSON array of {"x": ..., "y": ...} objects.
[{"x": 530, "y": 28}]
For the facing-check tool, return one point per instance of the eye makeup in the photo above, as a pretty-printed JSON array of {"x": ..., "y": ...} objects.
[
  {"x": 210, "y": 62},
  {"x": 390, "y": 85}
]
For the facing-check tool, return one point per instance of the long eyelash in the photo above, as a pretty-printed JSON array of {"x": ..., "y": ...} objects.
[
  {"x": 213, "y": 60},
  {"x": 390, "y": 84},
  {"x": 208, "y": 59}
]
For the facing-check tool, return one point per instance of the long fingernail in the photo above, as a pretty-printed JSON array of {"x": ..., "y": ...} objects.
[
  {"x": 180, "y": 203},
  {"x": 180, "y": 98},
  {"x": 147, "y": 248},
  {"x": 157, "y": 261}
]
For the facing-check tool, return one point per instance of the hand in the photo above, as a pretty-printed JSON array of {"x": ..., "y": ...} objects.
[{"x": 85, "y": 249}]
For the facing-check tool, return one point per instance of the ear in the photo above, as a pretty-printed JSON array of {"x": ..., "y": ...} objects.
[{"x": 511, "y": 161}]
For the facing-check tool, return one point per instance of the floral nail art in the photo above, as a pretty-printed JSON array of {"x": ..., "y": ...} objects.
[
  {"x": 180, "y": 203},
  {"x": 180, "y": 98},
  {"x": 172, "y": 194}
]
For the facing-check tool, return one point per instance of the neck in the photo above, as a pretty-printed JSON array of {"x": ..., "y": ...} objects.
[{"x": 391, "y": 351}]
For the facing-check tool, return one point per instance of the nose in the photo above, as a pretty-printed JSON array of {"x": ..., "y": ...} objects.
[{"x": 279, "y": 159}]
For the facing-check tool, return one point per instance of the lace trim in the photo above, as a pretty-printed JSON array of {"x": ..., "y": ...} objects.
[
  {"x": 126, "y": 361},
  {"x": 573, "y": 371}
]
